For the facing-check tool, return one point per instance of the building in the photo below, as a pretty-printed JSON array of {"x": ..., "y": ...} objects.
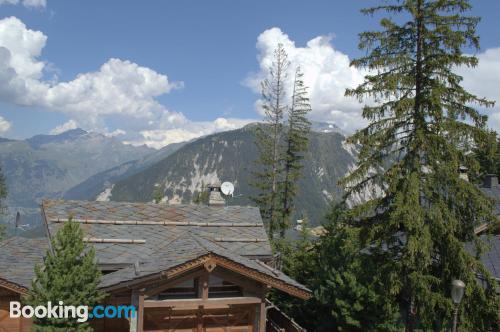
[{"x": 184, "y": 267}]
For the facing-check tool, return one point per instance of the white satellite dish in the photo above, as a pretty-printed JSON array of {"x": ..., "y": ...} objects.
[{"x": 227, "y": 188}]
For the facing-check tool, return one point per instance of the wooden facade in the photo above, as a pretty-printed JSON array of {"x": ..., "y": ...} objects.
[{"x": 10, "y": 292}]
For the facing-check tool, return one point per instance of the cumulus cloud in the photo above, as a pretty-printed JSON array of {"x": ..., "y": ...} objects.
[
  {"x": 119, "y": 87},
  {"x": 158, "y": 138},
  {"x": 119, "y": 90},
  {"x": 4, "y": 125},
  {"x": 327, "y": 74},
  {"x": 71, "y": 124},
  {"x": 484, "y": 81},
  {"x": 26, "y": 3}
]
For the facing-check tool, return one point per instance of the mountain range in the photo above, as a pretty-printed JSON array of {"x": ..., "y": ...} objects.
[
  {"x": 45, "y": 166},
  {"x": 230, "y": 156},
  {"x": 90, "y": 166}
]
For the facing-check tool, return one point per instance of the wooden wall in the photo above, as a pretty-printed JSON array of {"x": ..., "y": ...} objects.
[{"x": 8, "y": 324}]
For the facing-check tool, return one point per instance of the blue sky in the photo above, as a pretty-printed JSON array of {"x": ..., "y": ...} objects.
[{"x": 206, "y": 49}]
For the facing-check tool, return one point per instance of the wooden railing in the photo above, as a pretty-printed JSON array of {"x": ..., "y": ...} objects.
[{"x": 278, "y": 321}]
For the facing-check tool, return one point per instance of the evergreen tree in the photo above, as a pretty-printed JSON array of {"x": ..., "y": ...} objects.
[
  {"x": 203, "y": 197},
  {"x": 488, "y": 155},
  {"x": 69, "y": 274},
  {"x": 421, "y": 130},
  {"x": 297, "y": 140},
  {"x": 158, "y": 193},
  {"x": 3, "y": 195},
  {"x": 269, "y": 140},
  {"x": 346, "y": 291}
]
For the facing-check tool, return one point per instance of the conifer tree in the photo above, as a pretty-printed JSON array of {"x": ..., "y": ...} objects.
[
  {"x": 297, "y": 140},
  {"x": 269, "y": 140},
  {"x": 421, "y": 129},
  {"x": 70, "y": 274}
]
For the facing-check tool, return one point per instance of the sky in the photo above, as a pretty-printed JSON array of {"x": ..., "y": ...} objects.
[{"x": 158, "y": 72}]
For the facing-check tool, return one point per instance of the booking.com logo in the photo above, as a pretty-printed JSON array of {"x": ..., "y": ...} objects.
[{"x": 80, "y": 313}]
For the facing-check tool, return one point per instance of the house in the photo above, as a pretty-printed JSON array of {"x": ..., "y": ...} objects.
[{"x": 184, "y": 267}]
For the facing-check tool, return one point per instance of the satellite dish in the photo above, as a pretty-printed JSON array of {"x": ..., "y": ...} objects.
[{"x": 227, "y": 188}]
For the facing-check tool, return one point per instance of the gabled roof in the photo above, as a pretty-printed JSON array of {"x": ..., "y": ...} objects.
[
  {"x": 238, "y": 229},
  {"x": 147, "y": 240},
  {"x": 18, "y": 257},
  {"x": 189, "y": 251}
]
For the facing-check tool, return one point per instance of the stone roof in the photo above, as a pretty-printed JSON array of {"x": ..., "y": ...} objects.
[
  {"x": 144, "y": 239},
  {"x": 185, "y": 248},
  {"x": 18, "y": 256},
  {"x": 159, "y": 224}
]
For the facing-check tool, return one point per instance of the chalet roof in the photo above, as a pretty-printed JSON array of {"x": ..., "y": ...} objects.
[
  {"x": 157, "y": 237},
  {"x": 187, "y": 248},
  {"x": 18, "y": 257},
  {"x": 236, "y": 228}
]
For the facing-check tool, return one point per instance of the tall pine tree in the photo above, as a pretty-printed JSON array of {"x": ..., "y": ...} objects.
[
  {"x": 297, "y": 141},
  {"x": 421, "y": 129},
  {"x": 69, "y": 274},
  {"x": 269, "y": 140}
]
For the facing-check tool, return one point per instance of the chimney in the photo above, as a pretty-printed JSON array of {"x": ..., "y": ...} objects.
[
  {"x": 215, "y": 197},
  {"x": 490, "y": 181},
  {"x": 462, "y": 173}
]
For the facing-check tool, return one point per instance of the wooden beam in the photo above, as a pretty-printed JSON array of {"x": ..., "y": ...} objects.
[
  {"x": 140, "y": 313},
  {"x": 164, "y": 223},
  {"x": 99, "y": 240},
  {"x": 240, "y": 239},
  {"x": 263, "y": 311},
  {"x": 207, "y": 304},
  {"x": 203, "y": 286}
]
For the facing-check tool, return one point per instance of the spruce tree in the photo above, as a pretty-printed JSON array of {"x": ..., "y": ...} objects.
[
  {"x": 269, "y": 140},
  {"x": 70, "y": 274},
  {"x": 297, "y": 140},
  {"x": 422, "y": 127}
]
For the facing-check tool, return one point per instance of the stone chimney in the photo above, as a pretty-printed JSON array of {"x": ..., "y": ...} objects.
[
  {"x": 462, "y": 173},
  {"x": 490, "y": 181},
  {"x": 215, "y": 197}
]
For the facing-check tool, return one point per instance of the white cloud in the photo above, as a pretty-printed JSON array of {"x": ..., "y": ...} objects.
[
  {"x": 119, "y": 90},
  {"x": 115, "y": 133},
  {"x": 26, "y": 3},
  {"x": 158, "y": 138},
  {"x": 327, "y": 74},
  {"x": 119, "y": 87},
  {"x": 71, "y": 124},
  {"x": 4, "y": 125},
  {"x": 484, "y": 81}
]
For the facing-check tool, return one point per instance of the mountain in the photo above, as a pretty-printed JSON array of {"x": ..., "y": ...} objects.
[
  {"x": 45, "y": 166},
  {"x": 230, "y": 156},
  {"x": 97, "y": 186}
]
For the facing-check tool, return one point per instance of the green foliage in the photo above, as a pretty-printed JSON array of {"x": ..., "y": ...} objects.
[
  {"x": 269, "y": 140},
  {"x": 297, "y": 141},
  {"x": 158, "y": 194},
  {"x": 421, "y": 129},
  {"x": 69, "y": 274},
  {"x": 488, "y": 155},
  {"x": 281, "y": 145},
  {"x": 201, "y": 198}
]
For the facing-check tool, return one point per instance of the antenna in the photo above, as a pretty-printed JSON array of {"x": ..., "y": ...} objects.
[{"x": 227, "y": 188}]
